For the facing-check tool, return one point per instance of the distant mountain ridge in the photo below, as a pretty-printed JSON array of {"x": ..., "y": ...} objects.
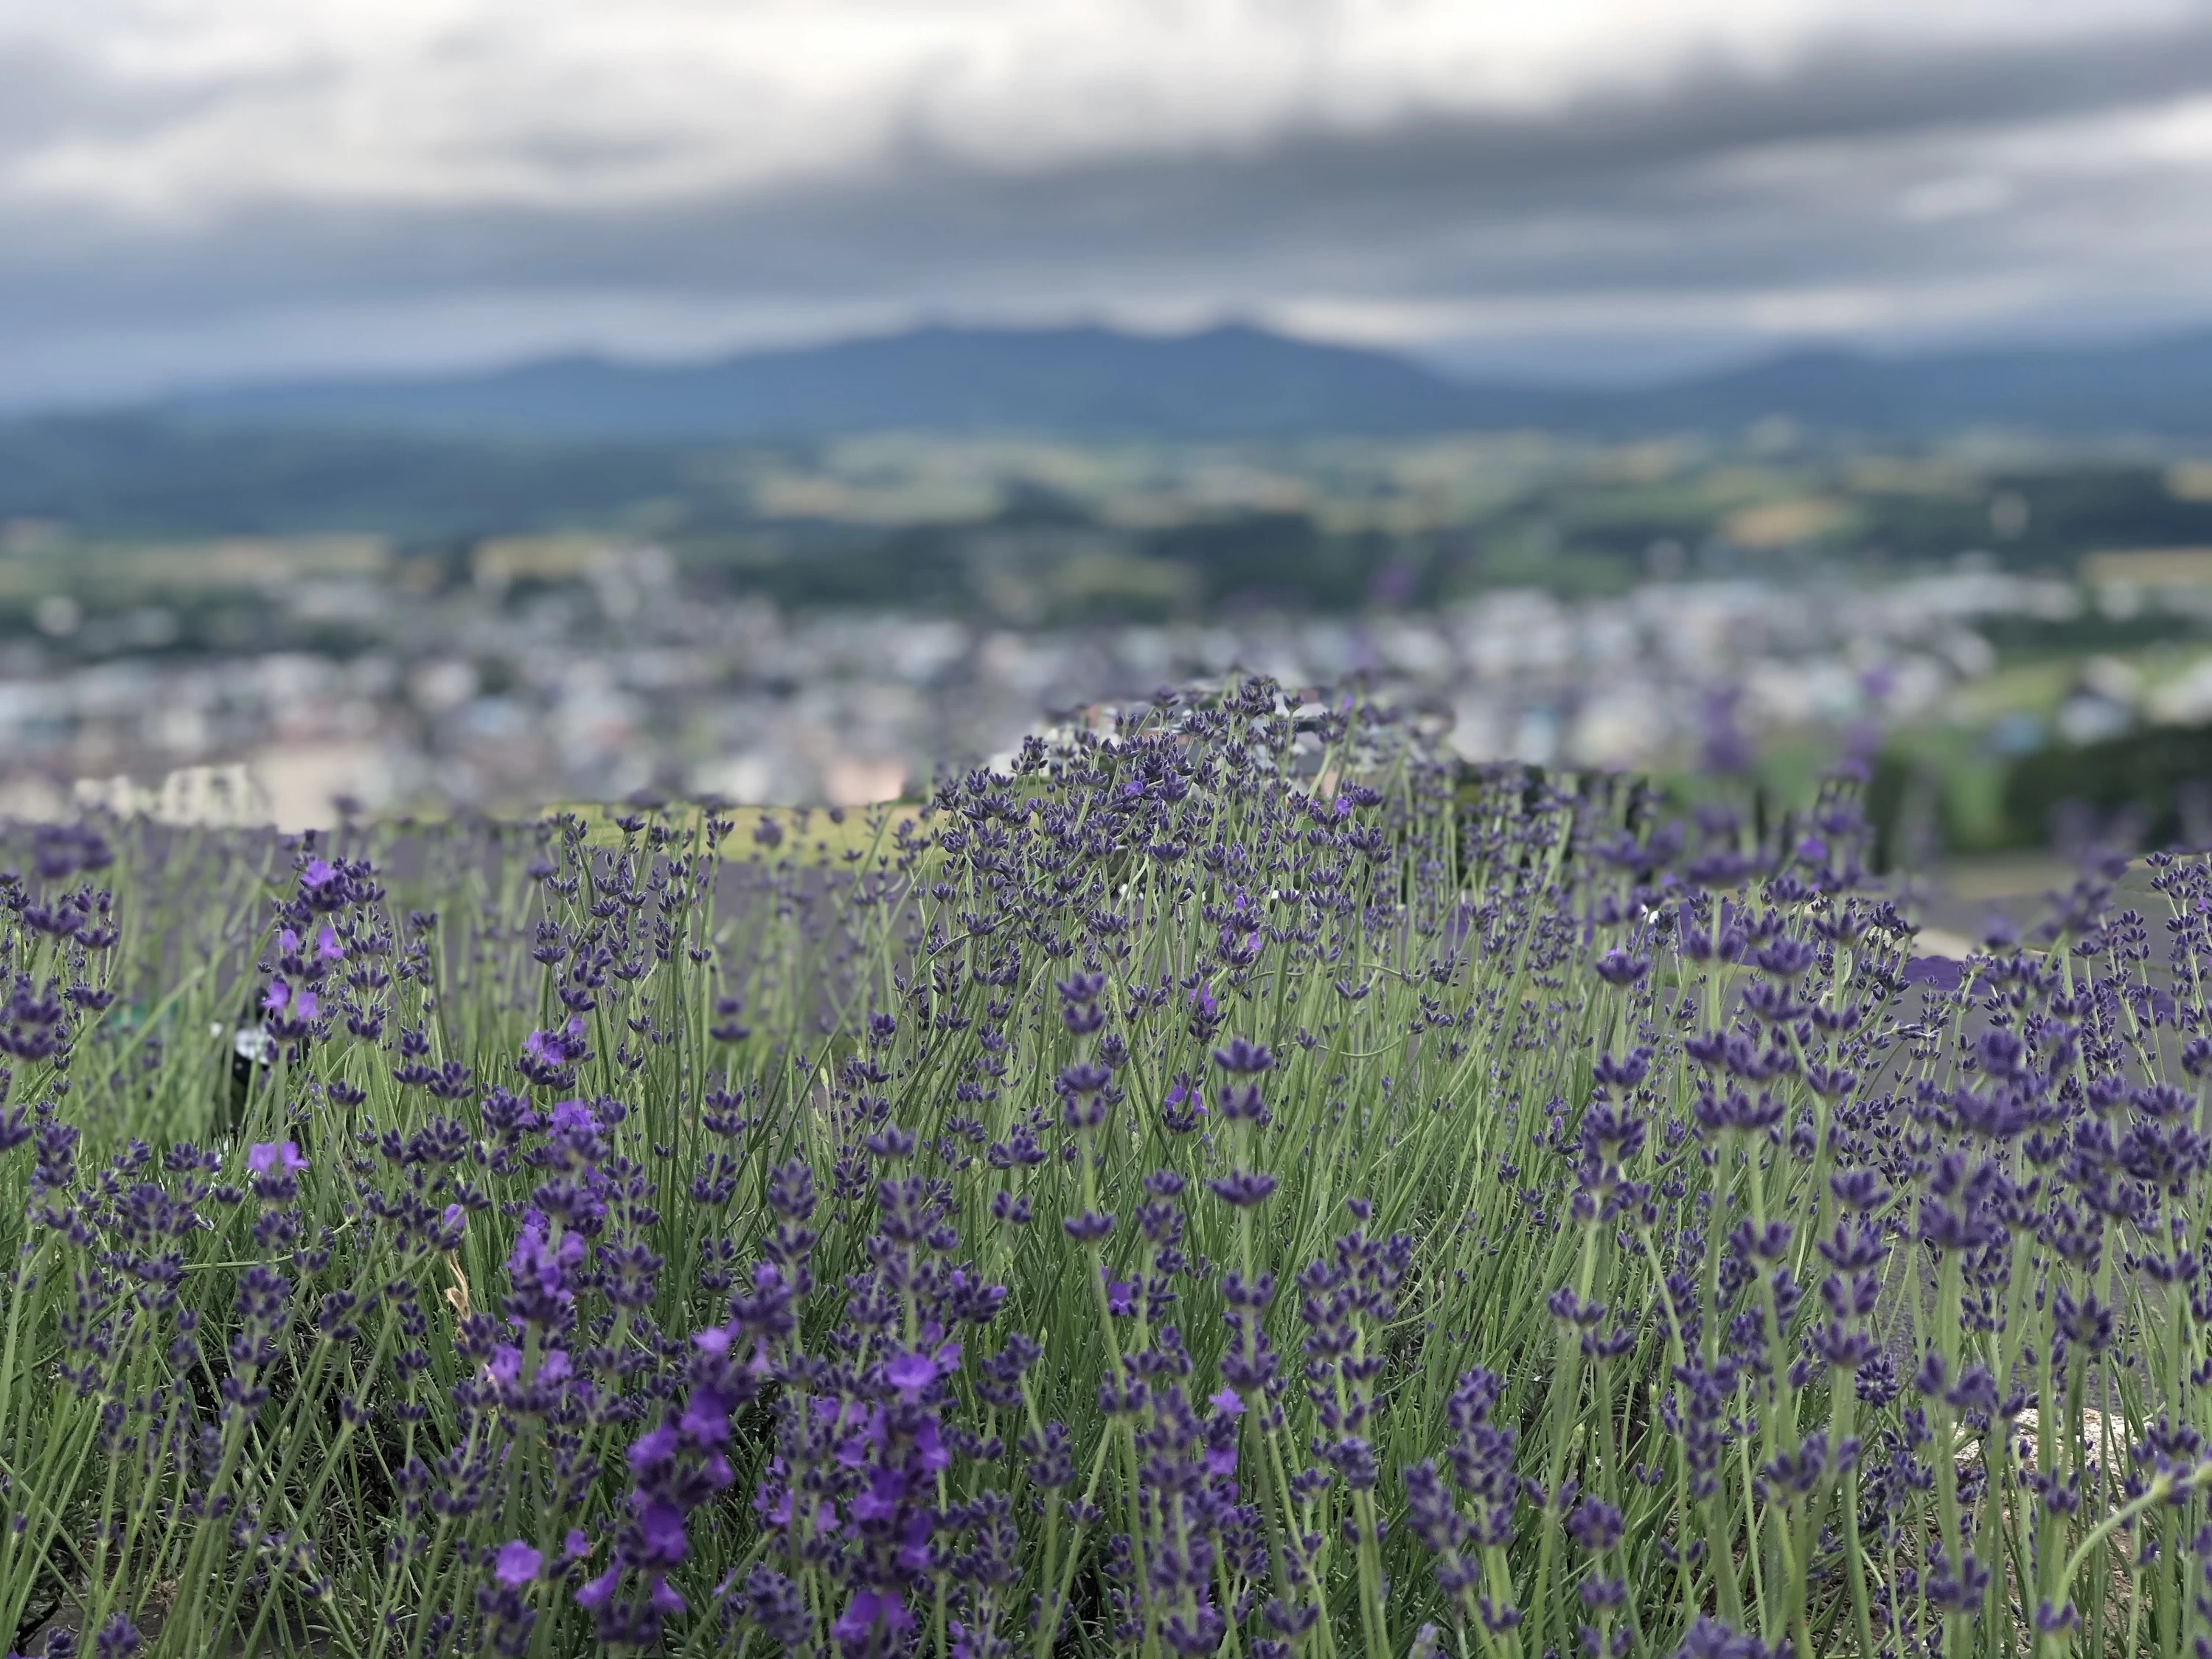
[
  {"x": 1224, "y": 382},
  {"x": 2161, "y": 385},
  {"x": 1227, "y": 381}
]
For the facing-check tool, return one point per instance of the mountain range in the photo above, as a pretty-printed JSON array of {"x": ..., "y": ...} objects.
[
  {"x": 1224, "y": 382},
  {"x": 582, "y": 439}
]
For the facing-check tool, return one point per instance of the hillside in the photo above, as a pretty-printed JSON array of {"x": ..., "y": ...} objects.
[
  {"x": 1229, "y": 382},
  {"x": 1225, "y": 382}
]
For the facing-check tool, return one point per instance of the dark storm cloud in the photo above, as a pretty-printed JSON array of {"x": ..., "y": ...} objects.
[{"x": 1721, "y": 182}]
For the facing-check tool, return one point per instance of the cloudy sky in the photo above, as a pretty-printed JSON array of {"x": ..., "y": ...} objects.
[{"x": 206, "y": 191}]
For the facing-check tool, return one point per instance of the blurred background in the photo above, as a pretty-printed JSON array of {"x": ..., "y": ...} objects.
[{"x": 469, "y": 405}]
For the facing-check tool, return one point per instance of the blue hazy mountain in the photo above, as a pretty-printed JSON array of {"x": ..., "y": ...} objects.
[
  {"x": 1226, "y": 382},
  {"x": 1229, "y": 381},
  {"x": 2163, "y": 384},
  {"x": 587, "y": 439}
]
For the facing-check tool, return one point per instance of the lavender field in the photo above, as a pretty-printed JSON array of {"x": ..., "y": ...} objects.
[{"x": 1238, "y": 1185}]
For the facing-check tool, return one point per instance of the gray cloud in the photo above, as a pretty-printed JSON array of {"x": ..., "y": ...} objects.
[{"x": 1624, "y": 217}]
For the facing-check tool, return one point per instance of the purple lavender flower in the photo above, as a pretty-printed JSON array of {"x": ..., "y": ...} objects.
[
  {"x": 268, "y": 1156},
  {"x": 869, "y": 1610},
  {"x": 911, "y": 1373},
  {"x": 274, "y": 1168},
  {"x": 1620, "y": 970},
  {"x": 1244, "y": 1059},
  {"x": 1243, "y": 1188},
  {"x": 1183, "y": 1107},
  {"x": 550, "y": 1058},
  {"x": 518, "y": 1565},
  {"x": 540, "y": 1272},
  {"x": 322, "y": 885},
  {"x": 660, "y": 1523},
  {"x": 1088, "y": 1226}
]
